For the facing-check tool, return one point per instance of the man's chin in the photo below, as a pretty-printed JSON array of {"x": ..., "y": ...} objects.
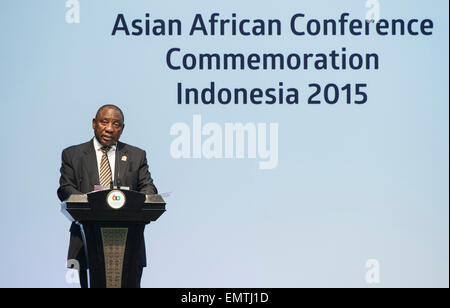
[{"x": 107, "y": 142}]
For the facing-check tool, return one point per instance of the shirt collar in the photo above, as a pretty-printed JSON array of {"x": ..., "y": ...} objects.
[{"x": 98, "y": 145}]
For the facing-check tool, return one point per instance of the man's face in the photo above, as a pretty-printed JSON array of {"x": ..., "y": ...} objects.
[{"x": 108, "y": 126}]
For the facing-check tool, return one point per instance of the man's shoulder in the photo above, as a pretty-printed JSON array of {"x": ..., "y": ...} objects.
[
  {"x": 130, "y": 148},
  {"x": 77, "y": 148}
]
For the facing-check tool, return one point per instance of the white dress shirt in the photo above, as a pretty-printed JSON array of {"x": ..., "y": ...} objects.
[{"x": 111, "y": 156}]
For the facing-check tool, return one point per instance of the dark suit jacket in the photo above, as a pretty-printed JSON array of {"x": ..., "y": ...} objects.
[{"x": 79, "y": 174}]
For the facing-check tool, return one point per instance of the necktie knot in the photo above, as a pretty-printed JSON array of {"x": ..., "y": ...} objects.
[{"x": 105, "y": 149}]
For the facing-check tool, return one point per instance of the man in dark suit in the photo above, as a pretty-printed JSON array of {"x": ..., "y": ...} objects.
[{"x": 93, "y": 163}]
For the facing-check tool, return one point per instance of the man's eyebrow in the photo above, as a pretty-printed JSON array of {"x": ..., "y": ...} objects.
[{"x": 111, "y": 120}]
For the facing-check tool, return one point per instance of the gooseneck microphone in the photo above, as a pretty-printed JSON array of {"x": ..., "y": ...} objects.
[{"x": 117, "y": 167}]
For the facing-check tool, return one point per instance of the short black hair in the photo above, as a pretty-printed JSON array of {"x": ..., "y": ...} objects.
[{"x": 111, "y": 106}]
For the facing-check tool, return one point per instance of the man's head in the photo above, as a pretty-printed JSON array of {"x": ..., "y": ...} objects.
[{"x": 108, "y": 124}]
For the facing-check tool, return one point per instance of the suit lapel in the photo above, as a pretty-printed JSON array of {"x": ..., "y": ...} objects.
[
  {"x": 123, "y": 160},
  {"x": 90, "y": 161}
]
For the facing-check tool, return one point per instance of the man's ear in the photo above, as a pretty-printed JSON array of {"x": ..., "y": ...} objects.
[{"x": 93, "y": 123}]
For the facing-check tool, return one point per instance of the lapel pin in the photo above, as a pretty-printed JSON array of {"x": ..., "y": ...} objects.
[{"x": 124, "y": 158}]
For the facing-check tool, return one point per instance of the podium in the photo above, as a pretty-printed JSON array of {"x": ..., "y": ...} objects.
[{"x": 113, "y": 223}]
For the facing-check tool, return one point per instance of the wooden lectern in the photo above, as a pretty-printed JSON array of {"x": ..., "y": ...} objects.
[{"x": 113, "y": 223}]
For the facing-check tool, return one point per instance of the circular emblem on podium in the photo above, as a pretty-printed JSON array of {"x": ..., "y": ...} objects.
[{"x": 116, "y": 199}]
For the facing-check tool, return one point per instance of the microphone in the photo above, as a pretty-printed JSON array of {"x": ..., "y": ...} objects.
[
  {"x": 117, "y": 166},
  {"x": 111, "y": 184}
]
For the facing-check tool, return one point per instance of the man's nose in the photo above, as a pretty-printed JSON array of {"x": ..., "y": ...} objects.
[{"x": 109, "y": 128}]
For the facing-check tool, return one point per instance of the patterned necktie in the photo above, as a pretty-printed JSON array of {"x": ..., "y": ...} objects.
[{"x": 105, "y": 168}]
